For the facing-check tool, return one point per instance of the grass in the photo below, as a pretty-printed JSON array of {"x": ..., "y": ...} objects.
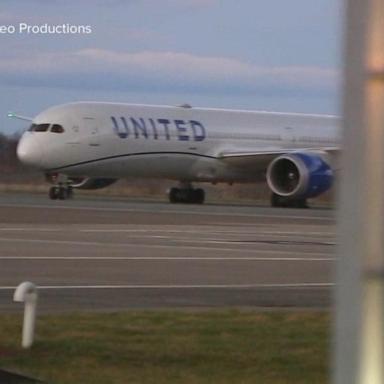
[{"x": 226, "y": 346}]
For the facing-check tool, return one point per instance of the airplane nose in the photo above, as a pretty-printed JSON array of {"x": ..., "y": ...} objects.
[{"x": 29, "y": 151}]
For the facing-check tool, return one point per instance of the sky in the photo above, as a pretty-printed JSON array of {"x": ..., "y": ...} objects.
[{"x": 274, "y": 55}]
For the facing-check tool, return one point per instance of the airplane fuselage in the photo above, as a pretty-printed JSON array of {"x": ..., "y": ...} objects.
[{"x": 110, "y": 140}]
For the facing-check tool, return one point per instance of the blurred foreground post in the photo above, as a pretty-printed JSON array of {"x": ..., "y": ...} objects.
[{"x": 359, "y": 325}]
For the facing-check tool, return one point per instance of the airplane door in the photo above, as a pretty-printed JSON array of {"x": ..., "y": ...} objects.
[{"x": 91, "y": 131}]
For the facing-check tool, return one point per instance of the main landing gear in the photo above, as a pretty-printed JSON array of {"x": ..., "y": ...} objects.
[
  {"x": 62, "y": 188},
  {"x": 285, "y": 202},
  {"x": 186, "y": 194}
]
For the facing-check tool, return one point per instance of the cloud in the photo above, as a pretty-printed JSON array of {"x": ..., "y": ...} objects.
[
  {"x": 76, "y": 2},
  {"x": 13, "y": 18},
  {"x": 7, "y": 18},
  {"x": 159, "y": 71}
]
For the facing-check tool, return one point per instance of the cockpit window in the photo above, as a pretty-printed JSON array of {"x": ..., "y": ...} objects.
[
  {"x": 39, "y": 128},
  {"x": 56, "y": 128}
]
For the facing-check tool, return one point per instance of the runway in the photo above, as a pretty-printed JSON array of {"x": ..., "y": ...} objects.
[{"x": 111, "y": 254}]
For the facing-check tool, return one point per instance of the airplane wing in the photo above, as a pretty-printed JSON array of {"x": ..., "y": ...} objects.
[{"x": 259, "y": 159}]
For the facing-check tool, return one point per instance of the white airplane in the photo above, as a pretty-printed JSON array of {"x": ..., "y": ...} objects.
[{"x": 90, "y": 145}]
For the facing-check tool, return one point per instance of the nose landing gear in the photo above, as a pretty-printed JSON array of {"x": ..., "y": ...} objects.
[
  {"x": 62, "y": 188},
  {"x": 61, "y": 192}
]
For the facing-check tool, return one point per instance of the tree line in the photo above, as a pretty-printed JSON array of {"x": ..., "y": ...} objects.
[{"x": 8, "y": 157}]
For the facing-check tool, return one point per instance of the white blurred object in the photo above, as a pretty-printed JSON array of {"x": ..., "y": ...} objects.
[
  {"x": 27, "y": 292},
  {"x": 359, "y": 326}
]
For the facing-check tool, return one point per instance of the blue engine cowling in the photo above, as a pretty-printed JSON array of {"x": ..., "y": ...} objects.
[{"x": 299, "y": 175}]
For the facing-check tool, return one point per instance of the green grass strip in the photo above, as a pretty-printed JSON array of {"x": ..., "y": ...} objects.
[{"x": 226, "y": 346}]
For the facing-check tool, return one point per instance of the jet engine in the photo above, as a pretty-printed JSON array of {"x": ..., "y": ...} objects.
[
  {"x": 299, "y": 175},
  {"x": 91, "y": 183}
]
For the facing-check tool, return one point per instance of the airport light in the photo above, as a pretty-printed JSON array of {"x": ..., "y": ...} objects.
[{"x": 359, "y": 325}]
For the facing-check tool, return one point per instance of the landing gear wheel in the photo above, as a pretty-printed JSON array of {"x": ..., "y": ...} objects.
[
  {"x": 186, "y": 195},
  {"x": 199, "y": 196},
  {"x": 60, "y": 192},
  {"x": 284, "y": 202},
  {"x": 278, "y": 201},
  {"x": 301, "y": 203},
  {"x": 54, "y": 193},
  {"x": 63, "y": 193},
  {"x": 174, "y": 195},
  {"x": 69, "y": 192},
  {"x": 61, "y": 186}
]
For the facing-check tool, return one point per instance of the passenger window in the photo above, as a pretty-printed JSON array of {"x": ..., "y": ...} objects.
[
  {"x": 41, "y": 127},
  {"x": 56, "y": 128}
]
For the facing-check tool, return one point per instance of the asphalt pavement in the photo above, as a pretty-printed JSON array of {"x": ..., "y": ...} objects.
[{"x": 111, "y": 254}]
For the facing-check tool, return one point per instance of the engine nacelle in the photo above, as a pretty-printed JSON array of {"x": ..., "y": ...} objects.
[
  {"x": 91, "y": 183},
  {"x": 299, "y": 175}
]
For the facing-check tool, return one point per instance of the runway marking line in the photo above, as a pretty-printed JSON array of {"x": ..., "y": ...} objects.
[
  {"x": 167, "y": 211},
  {"x": 24, "y": 229},
  {"x": 165, "y": 231},
  {"x": 278, "y": 241},
  {"x": 192, "y": 286},
  {"x": 280, "y": 236},
  {"x": 158, "y": 246},
  {"x": 161, "y": 258}
]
